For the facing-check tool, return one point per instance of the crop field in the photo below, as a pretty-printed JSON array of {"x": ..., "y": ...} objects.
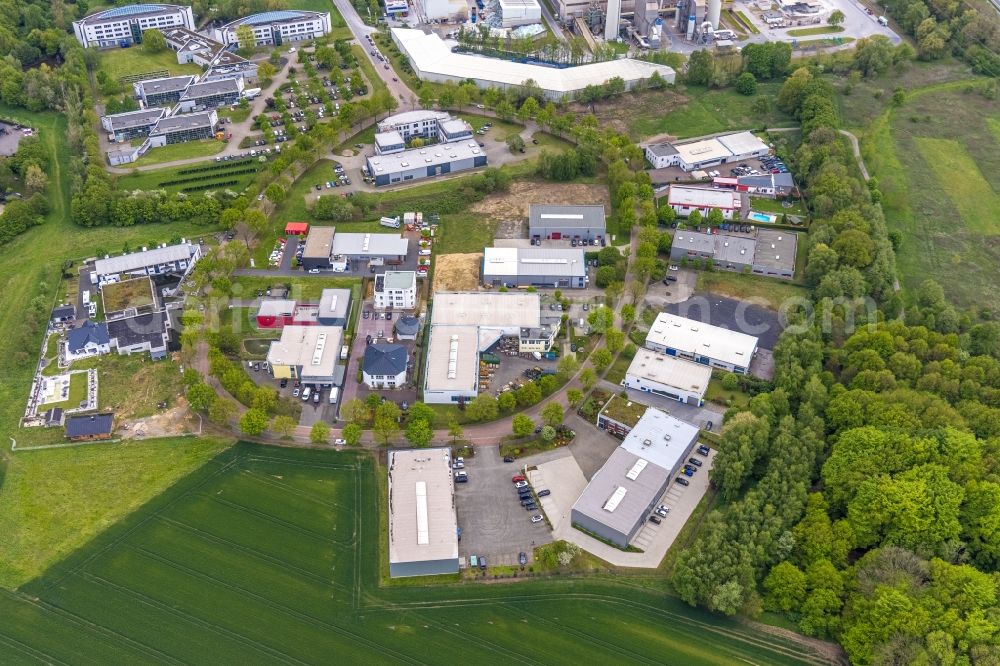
[
  {"x": 271, "y": 555},
  {"x": 194, "y": 178},
  {"x": 937, "y": 159}
]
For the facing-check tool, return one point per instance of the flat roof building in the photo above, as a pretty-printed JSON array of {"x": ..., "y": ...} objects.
[
  {"x": 334, "y": 307},
  {"x": 706, "y": 152},
  {"x": 436, "y": 160},
  {"x": 277, "y": 27},
  {"x": 433, "y": 60},
  {"x": 619, "y": 415},
  {"x": 162, "y": 92},
  {"x": 519, "y": 12},
  {"x": 184, "y": 127},
  {"x": 770, "y": 252},
  {"x": 703, "y": 343},
  {"x": 396, "y": 290},
  {"x": 318, "y": 248},
  {"x": 367, "y": 246},
  {"x": 307, "y": 353},
  {"x": 387, "y": 143},
  {"x": 565, "y": 222},
  {"x": 620, "y": 496},
  {"x": 126, "y": 126},
  {"x": 141, "y": 333},
  {"x": 423, "y": 524},
  {"x": 168, "y": 259},
  {"x": 775, "y": 253},
  {"x": 211, "y": 94},
  {"x": 123, "y": 26},
  {"x": 534, "y": 267},
  {"x": 685, "y": 199},
  {"x": 668, "y": 376}
]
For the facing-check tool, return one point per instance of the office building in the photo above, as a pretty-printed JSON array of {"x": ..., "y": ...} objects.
[
  {"x": 703, "y": 343},
  {"x": 123, "y": 127},
  {"x": 396, "y": 290},
  {"x": 123, "y": 26},
  {"x": 418, "y": 163},
  {"x": 162, "y": 92},
  {"x": 668, "y": 376},
  {"x": 702, "y": 153},
  {"x": 309, "y": 354},
  {"x": 275, "y": 28}
]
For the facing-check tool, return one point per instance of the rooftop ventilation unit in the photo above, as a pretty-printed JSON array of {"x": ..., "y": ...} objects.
[{"x": 318, "y": 351}]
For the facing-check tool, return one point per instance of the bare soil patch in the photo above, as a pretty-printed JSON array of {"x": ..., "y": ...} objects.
[
  {"x": 514, "y": 203},
  {"x": 457, "y": 272}
]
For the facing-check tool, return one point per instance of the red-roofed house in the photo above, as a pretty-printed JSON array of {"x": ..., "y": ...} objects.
[{"x": 296, "y": 228}]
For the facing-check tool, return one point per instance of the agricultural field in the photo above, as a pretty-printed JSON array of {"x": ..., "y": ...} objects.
[
  {"x": 234, "y": 175},
  {"x": 937, "y": 160},
  {"x": 265, "y": 555}
]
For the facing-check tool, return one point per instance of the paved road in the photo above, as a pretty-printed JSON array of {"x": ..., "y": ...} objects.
[{"x": 358, "y": 28}]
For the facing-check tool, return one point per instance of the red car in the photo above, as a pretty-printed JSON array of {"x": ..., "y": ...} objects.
[{"x": 516, "y": 478}]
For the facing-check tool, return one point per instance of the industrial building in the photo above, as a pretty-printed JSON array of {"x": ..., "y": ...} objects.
[
  {"x": 615, "y": 504},
  {"x": 771, "y": 185},
  {"x": 387, "y": 143},
  {"x": 534, "y": 267},
  {"x": 309, "y": 354},
  {"x": 318, "y": 248},
  {"x": 431, "y": 126},
  {"x": 770, "y": 252},
  {"x": 465, "y": 324},
  {"x": 619, "y": 415},
  {"x": 423, "y": 524},
  {"x": 432, "y": 59},
  {"x": 703, "y": 153},
  {"x": 275, "y": 28},
  {"x": 126, "y": 126},
  {"x": 396, "y": 290},
  {"x": 334, "y": 307},
  {"x": 178, "y": 259},
  {"x": 162, "y": 92},
  {"x": 685, "y": 199},
  {"x": 436, "y": 160},
  {"x": 668, "y": 376},
  {"x": 703, "y": 343},
  {"x": 372, "y": 248},
  {"x": 185, "y": 127},
  {"x": 211, "y": 94},
  {"x": 551, "y": 222},
  {"x": 279, "y": 312},
  {"x": 123, "y": 26},
  {"x": 519, "y": 12}
]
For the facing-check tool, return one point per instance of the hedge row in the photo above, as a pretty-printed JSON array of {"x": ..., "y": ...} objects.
[{"x": 217, "y": 167}]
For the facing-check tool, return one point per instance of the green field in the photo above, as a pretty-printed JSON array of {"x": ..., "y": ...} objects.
[
  {"x": 937, "y": 160},
  {"x": 269, "y": 555},
  {"x": 155, "y": 179},
  {"x": 180, "y": 151},
  {"x": 133, "y": 60},
  {"x": 818, "y": 30},
  {"x": 764, "y": 291}
]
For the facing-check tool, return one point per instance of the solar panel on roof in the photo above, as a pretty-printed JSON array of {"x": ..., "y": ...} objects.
[
  {"x": 130, "y": 10},
  {"x": 268, "y": 17}
]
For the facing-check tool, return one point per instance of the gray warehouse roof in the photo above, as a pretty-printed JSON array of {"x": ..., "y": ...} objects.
[
  {"x": 775, "y": 249},
  {"x": 334, "y": 303},
  {"x": 422, "y": 521},
  {"x": 220, "y": 87},
  {"x": 319, "y": 243},
  {"x": 615, "y": 499},
  {"x": 168, "y": 84},
  {"x": 137, "y": 260},
  {"x": 566, "y": 216},
  {"x": 442, "y": 153},
  {"x": 131, "y": 119},
  {"x": 184, "y": 121}
]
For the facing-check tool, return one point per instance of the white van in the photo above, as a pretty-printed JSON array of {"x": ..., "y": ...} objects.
[
  {"x": 334, "y": 394},
  {"x": 883, "y": 21},
  {"x": 344, "y": 352},
  {"x": 305, "y": 393}
]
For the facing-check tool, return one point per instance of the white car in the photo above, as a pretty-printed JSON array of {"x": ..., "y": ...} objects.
[
  {"x": 459, "y": 464},
  {"x": 536, "y": 519},
  {"x": 425, "y": 253},
  {"x": 340, "y": 442},
  {"x": 314, "y": 271},
  {"x": 521, "y": 484},
  {"x": 674, "y": 268}
]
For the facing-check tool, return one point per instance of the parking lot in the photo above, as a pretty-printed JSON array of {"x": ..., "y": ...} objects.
[{"x": 492, "y": 521}]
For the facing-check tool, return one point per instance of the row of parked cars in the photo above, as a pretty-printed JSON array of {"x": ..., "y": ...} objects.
[
  {"x": 691, "y": 466},
  {"x": 525, "y": 496}
]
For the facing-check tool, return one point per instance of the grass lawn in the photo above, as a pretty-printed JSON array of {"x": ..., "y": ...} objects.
[
  {"x": 766, "y": 292},
  {"x": 133, "y": 385},
  {"x": 77, "y": 393},
  {"x": 339, "y": 27},
  {"x": 154, "y": 179},
  {"x": 180, "y": 151},
  {"x": 52, "y": 502},
  {"x": 765, "y": 205},
  {"x": 293, "y": 208},
  {"x": 717, "y": 394},
  {"x": 823, "y": 43},
  {"x": 818, "y": 30},
  {"x": 948, "y": 219},
  {"x": 236, "y": 115},
  {"x": 133, "y": 60},
  {"x": 464, "y": 232},
  {"x": 266, "y": 554},
  {"x": 128, "y": 294}
]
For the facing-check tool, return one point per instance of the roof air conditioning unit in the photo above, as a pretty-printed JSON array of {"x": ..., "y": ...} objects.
[{"x": 647, "y": 442}]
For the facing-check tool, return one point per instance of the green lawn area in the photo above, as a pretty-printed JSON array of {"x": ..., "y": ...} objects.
[
  {"x": 77, "y": 393},
  {"x": 180, "y": 151},
  {"x": 818, "y": 30},
  {"x": 717, "y": 394},
  {"x": 698, "y": 111},
  {"x": 52, "y": 502},
  {"x": 270, "y": 555},
  {"x": 293, "y": 208},
  {"x": 937, "y": 160},
  {"x": 823, "y": 43},
  {"x": 767, "y": 292},
  {"x": 464, "y": 232},
  {"x": 765, "y": 205},
  {"x": 340, "y": 29},
  {"x": 616, "y": 373},
  {"x": 236, "y": 115},
  {"x": 133, "y": 60},
  {"x": 132, "y": 385},
  {"x": 153, "y": 179}
]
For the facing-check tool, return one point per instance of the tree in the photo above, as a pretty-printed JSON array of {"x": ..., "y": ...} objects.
[
  {"x": 627, "y": 314},
  {"x": 507, "y": 401},
  {"x": 588, "y": 378},
  {"x": 319, "y": 433},
  {"x": 567, "y": 366},
  {"x": 221, "y": 411},
  {"x": 553, "y": 414},
  {"x": 153, "y": 41},
  {"x": 283, "y": 425},
  {"x": 601, "y": 358},
  {"x": 785, "y": 588},
  {"x": 515, "y": 143},
  {"x": 35, "y": 179},
  {"x": 694, "y": 218},
  {"x": 483, "y": 407},
  {"x": 836, "y": 18},
  {"x": 529, "y": 394},
  {"x": 455, "y": 431},
  {"x": 605, "y": 275},
  {"x": 253, "y": 421},
  {"x": 332, "y": 208},
  {"x": 522, "y": 425},
  {"x": 574, "y": 397},
  {"x": 200, "y": 396},
  {"x": 614, "y": 339},
  {"x": 746, "y": 84},
  {"x": 548, "y": 433},
  {"x": 701, "y": 68},
  {"x": 356, "y": 411},
  {"x": 245, "y": 38},
  {"x": 386, "y": 421},
  {"x": 873, "y": 55},
  {"x": 529, "y": 109},
  {"x": 352, "y": 433},
  {"x": 419, "y": 433}
]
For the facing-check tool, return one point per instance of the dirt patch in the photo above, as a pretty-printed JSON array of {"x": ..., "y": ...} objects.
[
  {"x": 457, "y": 272},
  {"x": 513, "y": 204},
  {"x": 620, "y": 112},
  {"x": 175, "y": 421}
]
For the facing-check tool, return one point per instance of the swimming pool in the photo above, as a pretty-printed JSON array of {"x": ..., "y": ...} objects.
[{"x": 762, "y": 217}]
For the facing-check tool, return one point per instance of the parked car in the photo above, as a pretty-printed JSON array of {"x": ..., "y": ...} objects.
[
  {"x": 708, "y": 426},
  {"x": 681, "y": 480},
  {"x": 703, "y": 450},
  {"x": 508, "y": 459},
  {"x": 544, "y": 493},
  {"x": 531, "y": 507},
  {"x": 655, "y": 519},
  {"x": 482, "y": 563},
  {"x": 695, "y": 462},
  {"x": 516, "y": 478},
  {"x": 662, "y": 511},
  {"x": 526, "y": 502},
  {"x": 521, "y": 484},
  {"x": 536, "y": 519},
  {"x": 461, "y": 477},
  {"x": 295, "y": 393},
  {"x": 688, "y": 471}
]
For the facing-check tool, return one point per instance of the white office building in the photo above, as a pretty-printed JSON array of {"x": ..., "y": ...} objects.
[
  {"x": 423, "y": 525},
  {"x": 279, "y": 27},
  {"x": 702, "y": 343},
  {"x": 396, "y": 290},
  {"x": 704, "y": 153},
  {"x": 178, "y": 258},
  {"x": 123, "y": 26},
  {"x": 668, "y": 376},
  {"x": 685, "y": 199}
]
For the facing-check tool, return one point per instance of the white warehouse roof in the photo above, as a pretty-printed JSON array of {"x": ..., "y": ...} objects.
[
  {"x": 660, "y": 438},
  {"x": 704, "y": 197},
  {"x": 743, "y": 143},
  {"x": 369, "y": 245},
  {"x": 138, "y": 260},
  {"x": 671, "y": 371},
  {"x": 432, "y": 59},
  {"x": 422, "y": 522},
  {"x": 513, "y": 261},
  {"x": 701, "y": 339}
]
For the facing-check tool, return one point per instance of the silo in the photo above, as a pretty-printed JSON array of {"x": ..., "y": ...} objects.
[
  {"x": 612, "y": 20},
  {"x": 714, "y": 12}
]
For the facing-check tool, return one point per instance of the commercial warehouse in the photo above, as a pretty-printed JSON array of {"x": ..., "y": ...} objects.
[
  {"x": 685, "y": 199},
  {"x": 703, "y": 343},
  {"x": 123, "y": 26},
  {"x": 519, "y": 12},
  {"x": 423, "y": 524},
  {"x": 668, "y": 376},
  {"x": 277, "y": 27},
  {"x": 432, "y": 59},
  {"x": 702, "y": 153},
  {"x": 309, "y": 354},
  {"x": 436, "y": 160},
  {"x": 334, "y": 307},
  {"x": 369, "y": 247},
  {"x": 770, "y": 252},
  {"x": 318, "y": 248},
  {"x": 534, "y": 267},
  {"x": 620, "y": 496},
  {"x": 566, "y": 222},
  {"x": 464, "y": 324}
]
